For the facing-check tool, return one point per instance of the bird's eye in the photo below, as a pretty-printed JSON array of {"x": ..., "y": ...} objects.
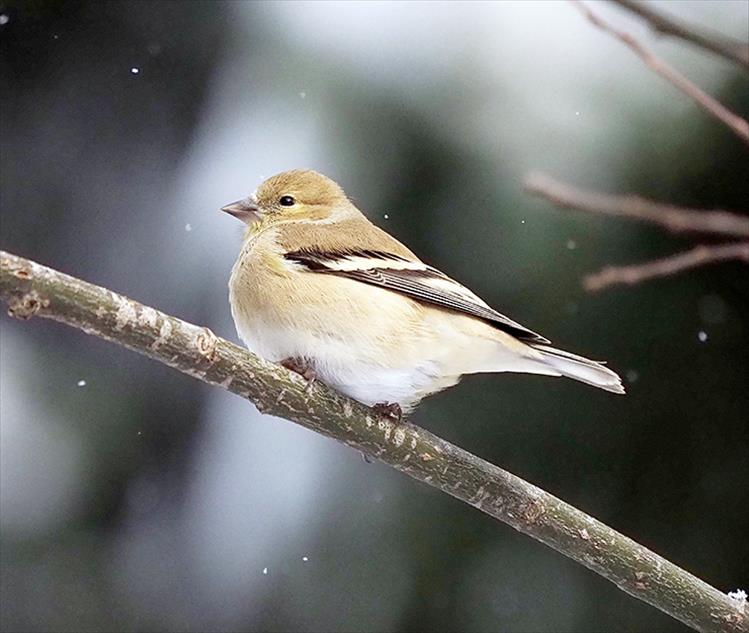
[{"x": 286, "y": 201}]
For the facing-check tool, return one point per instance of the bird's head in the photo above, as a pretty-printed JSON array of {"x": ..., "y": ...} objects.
[{"x": 293, "y": 196}]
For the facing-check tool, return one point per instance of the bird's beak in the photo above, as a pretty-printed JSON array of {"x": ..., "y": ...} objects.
[{"x": 245, "y": 210}]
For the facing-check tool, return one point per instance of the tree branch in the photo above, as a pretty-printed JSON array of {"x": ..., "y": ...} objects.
[
  {"x": 698, "y": 256},
  {"x": 676, "y": 219},
  {"x": 673, "y": 218},
  {"x": 716, "y": 109},
  {"x": 31, "y": 289},
  {"x": 725, "y": 47}
]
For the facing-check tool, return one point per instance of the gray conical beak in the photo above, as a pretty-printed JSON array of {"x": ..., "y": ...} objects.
[{"x": 244, "y": 210}]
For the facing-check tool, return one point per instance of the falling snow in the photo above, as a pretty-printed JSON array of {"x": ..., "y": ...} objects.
[
  {"x": 81, "y": 383},
  {"x": 303, "y": 95},
  {"x": 4, "y": 19},
  {"x": 571, "y": 244},
  {"x": 265, "y": 571},
  {"x": 702, "y": 336},
  {"x": 305, "y": 559},
  {"x": 632, "y": 375},
  {"x": 738, "y": 597},
  {"x": 188, "y": 227},
  {"x": 386, "y": 216},
  {"x": 135, "y": 70}
]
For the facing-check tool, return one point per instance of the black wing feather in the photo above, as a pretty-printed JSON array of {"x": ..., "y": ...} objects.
[{"x": 410, "y": 282}]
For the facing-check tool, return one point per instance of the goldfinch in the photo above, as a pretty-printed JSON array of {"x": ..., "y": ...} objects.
[{"x": 322, "y": 290}]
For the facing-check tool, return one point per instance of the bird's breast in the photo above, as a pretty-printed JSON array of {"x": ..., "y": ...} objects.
[{"x": 370, "y": 343}]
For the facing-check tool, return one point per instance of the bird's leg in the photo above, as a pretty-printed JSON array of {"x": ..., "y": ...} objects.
[
  {"x": 390, "y": 409},
  {"x": 303, "y": 368}
]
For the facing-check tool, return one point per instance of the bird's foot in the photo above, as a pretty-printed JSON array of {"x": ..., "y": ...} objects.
[
  {"x": 391, "y": 410},
  {"x": 303, "y": 368}
]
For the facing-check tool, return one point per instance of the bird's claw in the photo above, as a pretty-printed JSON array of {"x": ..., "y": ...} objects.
[
  {"x": 303, "y": 368},
  {"x": 391, "y": 410}
]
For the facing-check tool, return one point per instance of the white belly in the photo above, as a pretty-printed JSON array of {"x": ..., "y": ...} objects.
[{"x": 355, "y": 374}]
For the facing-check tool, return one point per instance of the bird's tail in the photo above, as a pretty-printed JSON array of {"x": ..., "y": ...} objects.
[{"x": 579, "y": 368}]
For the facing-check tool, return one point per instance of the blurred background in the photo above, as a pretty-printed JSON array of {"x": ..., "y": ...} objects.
[{"x": 136, "y": 498}]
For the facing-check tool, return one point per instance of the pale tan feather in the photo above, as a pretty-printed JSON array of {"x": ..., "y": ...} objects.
[
  {"x": 356, "y": 233},
  {"x": 373, "y": 343}
]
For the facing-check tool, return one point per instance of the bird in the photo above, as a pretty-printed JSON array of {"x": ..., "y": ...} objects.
[{"x": 320, "y": 289}]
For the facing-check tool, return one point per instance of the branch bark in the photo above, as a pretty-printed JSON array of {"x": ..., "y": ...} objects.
[
  {"x": 31, "y": 289},
  {"x": 667, "y": 266},
  {"x": 673, "y": 218},
  {"x": 725, "y": 47},
  {"x": 713, "y": 107}
]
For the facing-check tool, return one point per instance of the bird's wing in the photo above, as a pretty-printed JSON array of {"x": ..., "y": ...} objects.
[{"x": 410, "y": 277}]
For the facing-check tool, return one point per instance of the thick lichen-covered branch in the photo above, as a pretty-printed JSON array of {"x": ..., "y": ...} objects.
[{"x": 30, "y": 289}]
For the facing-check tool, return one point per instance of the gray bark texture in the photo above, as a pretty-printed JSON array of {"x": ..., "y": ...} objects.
[{"x": 31, "y": 289}]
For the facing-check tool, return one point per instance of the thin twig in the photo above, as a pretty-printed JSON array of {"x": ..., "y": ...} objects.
[
  {"x": 31, "y": 289},
  {"x": 725, "y": 47},
  {"x": 739, "y": 126},
  {"x": 698, "y": 256},
  {"x": 673, "y": 218}
]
